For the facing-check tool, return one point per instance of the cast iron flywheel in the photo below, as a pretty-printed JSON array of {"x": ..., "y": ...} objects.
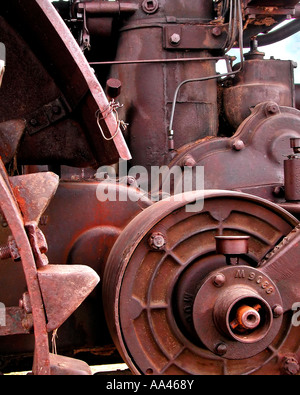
[{"x": 188, "y": 291}]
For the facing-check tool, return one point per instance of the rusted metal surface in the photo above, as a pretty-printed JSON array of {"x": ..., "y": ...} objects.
[
  {"x": 262, "y": 142},
  {"x": 160, "y": 80},
  {"x": 145, "y": 297},
  {"x": 284, "y": 256},
  {"x": 255, "y": 85},
  {"x": 96, "y": 7},
  {"x": 15, "y": 221},
  {"x": 209, "y": 291},
  {"x": 225, "y": 308},
  {"x": 18, "y": 322},
  {"x": 10, "y": 136},
  {"x": 64, "y": 366},
  {"x": 49, "y": 301},
  {"x": 291, "y": 171},
  {"x": 297, "y": 96},
  {"x": 87, "y": 242},
  {"x": 64, "y": 288},
  {"x": 61, "y": 70},
  {"x": 150, "y": 149}
]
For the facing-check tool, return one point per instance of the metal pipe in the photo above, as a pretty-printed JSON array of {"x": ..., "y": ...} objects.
[
  {"x": 279, "y": 34},
  {"x": 108, "y": 7},
  {"x": 145, "y": 61},
  {"x": 297, "y": 96},
  {"x": 297, "y": 11}
]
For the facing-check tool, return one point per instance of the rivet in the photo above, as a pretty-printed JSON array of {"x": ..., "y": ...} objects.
[
  {"x": 238, "y": 145},
  {"x": 277, "y": 311},
  {"x": 189, "y": 161},
  {"x": 272, "y": 108},
  {"x": 219, "y": 280},
  {"x": 221, "y": 349},
  {"x": 217, "y": 31},
  {"x": 33, "y": 122}
]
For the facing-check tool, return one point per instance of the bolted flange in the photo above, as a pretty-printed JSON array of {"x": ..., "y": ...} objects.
[{"x": 240, "y": 313}]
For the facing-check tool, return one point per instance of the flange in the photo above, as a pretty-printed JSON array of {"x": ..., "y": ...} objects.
[{"x": 239, "y": 315}]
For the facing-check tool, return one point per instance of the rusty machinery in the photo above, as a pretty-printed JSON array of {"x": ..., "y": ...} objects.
[{"x": 205, "y": 291}]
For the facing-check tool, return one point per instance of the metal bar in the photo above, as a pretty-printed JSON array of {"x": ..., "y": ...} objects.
[
  {"x": 104, "y": 7},
  {"x": 146, "y": 61}
]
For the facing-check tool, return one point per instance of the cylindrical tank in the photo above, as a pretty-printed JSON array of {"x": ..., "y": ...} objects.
[
  {"x": 260, "y": 80},
  {"x": 148, "y": 88}
]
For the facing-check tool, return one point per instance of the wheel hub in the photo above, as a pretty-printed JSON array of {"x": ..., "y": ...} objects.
[{"x": 239, "y": 314}]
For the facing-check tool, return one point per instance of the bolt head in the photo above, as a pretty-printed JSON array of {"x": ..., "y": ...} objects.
[
  {"x": 25, "y": 303},
  {"x": 291, "y": 366},
  {"x": 278, "y": 191},
  {"x": 221, "y": 349},
  {"x": 175, "y": 39},
  {"x": 56, "y": 110},
  {"x": 217, "y": 31},
  {"x": 14, "y": 251},
  {"x": 27, "y": 322},
  {"x": 41, "y": 241},
  {"x": 34, "y": 122},
  {"x": 272, "y": 108},
  {"x": 238, "y": 145},
  {"x": 157, "y": 241},
  {"x": 189, "y": 161},
  {"x": 219, "y": 280},
  {"x": 131, "y": 180},
  {"x": 277, "y": 311}
]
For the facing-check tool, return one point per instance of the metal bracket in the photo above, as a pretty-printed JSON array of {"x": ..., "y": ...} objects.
[
  {"x": 194, "y": 36},
  {"x": 46, "y": 115}
]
